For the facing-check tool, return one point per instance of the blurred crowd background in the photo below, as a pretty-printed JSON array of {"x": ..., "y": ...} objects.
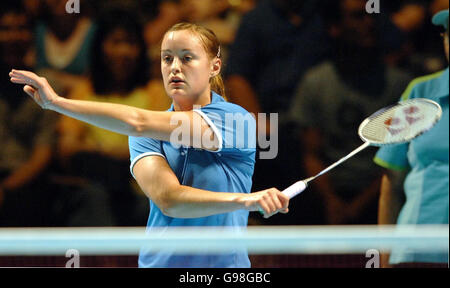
[{"x": 322, "y": 65}]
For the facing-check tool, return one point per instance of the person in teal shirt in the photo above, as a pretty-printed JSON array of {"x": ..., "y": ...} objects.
[{"x": 415, "y": 187}]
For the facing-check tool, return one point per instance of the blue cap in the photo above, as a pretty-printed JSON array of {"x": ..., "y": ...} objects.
[{"x": 441, "y": 18}]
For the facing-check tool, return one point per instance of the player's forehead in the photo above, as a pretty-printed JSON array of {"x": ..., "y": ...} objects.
[{"x": 182, "y": 40}]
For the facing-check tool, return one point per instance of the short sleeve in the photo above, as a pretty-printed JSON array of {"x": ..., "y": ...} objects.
[
  {"x": 233, "y": 126},
  {"x": 393, "y": 157},
  {"x": 141, "y": 147}
]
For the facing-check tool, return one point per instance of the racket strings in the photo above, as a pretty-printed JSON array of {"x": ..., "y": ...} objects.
[{"x": 401, "y": 122}]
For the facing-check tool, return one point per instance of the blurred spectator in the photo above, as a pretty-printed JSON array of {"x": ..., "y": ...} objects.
[
  {"x": 63, "y": 44},
  {"x": 438, "y": 5},
  {"x": 16, "y": 38},
  {"x": 214, "y": 15},
  {"x": 221, "y": 16},
  {"x": 158, "y": 16},
  {"x": 425, "y": 49},
  {"x": 408, "y": 15},
  {"x": 333, "y": 99},
  {"x": 25, "y": 145},
  {"x": 119, "y": 74},
  {"x": 33, "y": 9},
  {"x": 275, "y": 44},
  {"x": 27, "y": 136},
  {"x": 419, "y": 52}
]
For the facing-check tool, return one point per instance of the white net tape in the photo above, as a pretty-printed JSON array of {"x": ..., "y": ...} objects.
[{"x": 257, "y": 239}]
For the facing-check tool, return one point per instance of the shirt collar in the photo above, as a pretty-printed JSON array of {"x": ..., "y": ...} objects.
[{"x": 215, "y": 98}]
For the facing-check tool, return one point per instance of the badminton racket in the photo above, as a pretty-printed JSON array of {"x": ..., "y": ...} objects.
[{"x": 391, "y": 125}]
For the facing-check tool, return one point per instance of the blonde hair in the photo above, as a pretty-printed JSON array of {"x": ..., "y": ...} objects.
[{"x": 212, "y": 48}]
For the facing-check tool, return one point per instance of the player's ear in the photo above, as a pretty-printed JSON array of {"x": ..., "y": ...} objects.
[{"x": 216, "y": 66}]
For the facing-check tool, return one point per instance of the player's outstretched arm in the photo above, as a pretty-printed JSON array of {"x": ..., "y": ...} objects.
[{"x": 119, "y": 118}]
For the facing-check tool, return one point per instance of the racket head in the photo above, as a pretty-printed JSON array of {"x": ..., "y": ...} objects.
[{"x": 401, "y": 122}]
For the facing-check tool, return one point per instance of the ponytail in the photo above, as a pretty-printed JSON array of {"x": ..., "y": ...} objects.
[{"x": 218, "y": 86}]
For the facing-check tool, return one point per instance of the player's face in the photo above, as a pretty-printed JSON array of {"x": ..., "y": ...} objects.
[{"x": 186, "y": 69}]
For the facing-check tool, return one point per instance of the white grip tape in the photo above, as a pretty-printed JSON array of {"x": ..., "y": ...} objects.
[{"x": 295, "y": 189}]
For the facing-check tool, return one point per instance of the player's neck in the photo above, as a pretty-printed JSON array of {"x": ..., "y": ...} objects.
[{"x": 202, "y": 100}]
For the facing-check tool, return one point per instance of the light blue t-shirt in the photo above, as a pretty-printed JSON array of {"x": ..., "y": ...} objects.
[
  {"x": 427, "y": 183},
  {"x": 229, "y": 169}
]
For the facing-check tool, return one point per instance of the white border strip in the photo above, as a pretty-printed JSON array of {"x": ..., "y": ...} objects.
[
  {"x": 140, "y": 156},
  {"x": 213, "y": 127}
]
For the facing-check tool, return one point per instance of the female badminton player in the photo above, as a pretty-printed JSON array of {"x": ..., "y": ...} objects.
[{"x": 202, "y": 178}]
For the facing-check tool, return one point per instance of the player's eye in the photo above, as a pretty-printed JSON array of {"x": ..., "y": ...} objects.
[{"x": 167, "y": 58}]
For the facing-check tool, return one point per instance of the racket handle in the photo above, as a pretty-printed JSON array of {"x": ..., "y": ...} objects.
[{"x": 295, "y": 189}]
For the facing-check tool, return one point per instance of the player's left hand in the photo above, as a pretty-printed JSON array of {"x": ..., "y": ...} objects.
[{"x": 36, "y": 87}]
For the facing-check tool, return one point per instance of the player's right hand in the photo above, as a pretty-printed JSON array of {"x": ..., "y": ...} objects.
[
  {"x": 36, "y": 87},
  {"x": 270, "y": 201}
]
